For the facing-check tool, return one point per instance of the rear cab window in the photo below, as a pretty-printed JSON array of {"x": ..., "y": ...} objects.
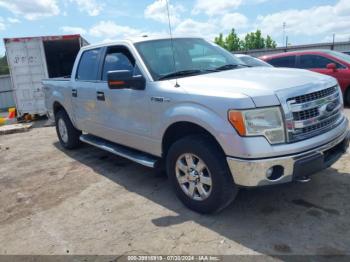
[
  {"x": 284, "y": 61},
  {"x": 88, "y": 65}
]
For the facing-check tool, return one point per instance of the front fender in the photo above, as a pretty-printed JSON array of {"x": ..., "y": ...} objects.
[{"x": 215, "y": 123}]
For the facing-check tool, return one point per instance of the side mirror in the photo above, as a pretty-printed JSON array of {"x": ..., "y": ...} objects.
[
  {"x": 124, "y": 79},
  {"x": 332, "y": 66}
]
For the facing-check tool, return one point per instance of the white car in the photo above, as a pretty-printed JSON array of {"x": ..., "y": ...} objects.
[{"x": 252, "y": 61}]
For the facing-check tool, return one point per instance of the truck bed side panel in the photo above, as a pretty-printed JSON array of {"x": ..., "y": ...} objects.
[{"x": 60, "y": 91}]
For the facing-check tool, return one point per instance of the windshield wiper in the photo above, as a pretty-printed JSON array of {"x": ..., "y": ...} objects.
[
  {"x": 229, "y": 66},
  {"x": 181, "y": 73}
]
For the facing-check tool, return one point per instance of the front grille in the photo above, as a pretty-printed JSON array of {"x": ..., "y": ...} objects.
[
  {"x": 313, "y": 96},
  {"x": 306, "y": 114},
  {"x": 313, "y": 113},
  {"x": 320, "y": 125}
]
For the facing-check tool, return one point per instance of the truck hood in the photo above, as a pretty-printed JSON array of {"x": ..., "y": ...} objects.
[{"x": 261, "y": 84}]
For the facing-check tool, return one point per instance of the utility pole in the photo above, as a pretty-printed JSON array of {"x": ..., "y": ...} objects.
[
  {"x": 284, "y": 32},
  {"x": 333, "y": 42}
]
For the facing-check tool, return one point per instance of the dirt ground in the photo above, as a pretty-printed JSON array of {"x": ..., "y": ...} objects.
[{"x": 88, "y": 201}]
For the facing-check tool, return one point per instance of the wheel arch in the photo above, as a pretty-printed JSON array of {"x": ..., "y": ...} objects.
[
  {"x": 182, "y": 129},
  {"x": 57, "y": 106}
]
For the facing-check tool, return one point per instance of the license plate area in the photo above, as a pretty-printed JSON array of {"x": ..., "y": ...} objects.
[{"x": 308, "y": 166}]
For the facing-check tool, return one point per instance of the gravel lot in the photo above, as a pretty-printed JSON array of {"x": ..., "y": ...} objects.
[{"x": 90, "y": 202}]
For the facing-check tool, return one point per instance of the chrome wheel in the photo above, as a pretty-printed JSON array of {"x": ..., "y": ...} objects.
[
  {"x": 62, "y": 128},
  {"x": 193, "y": 176}
]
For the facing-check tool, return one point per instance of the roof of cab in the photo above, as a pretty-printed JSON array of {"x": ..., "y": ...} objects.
[{"x": 134, "y": 40}]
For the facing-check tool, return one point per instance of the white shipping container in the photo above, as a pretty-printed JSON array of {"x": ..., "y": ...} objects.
[{"x": 33, "y": 59}]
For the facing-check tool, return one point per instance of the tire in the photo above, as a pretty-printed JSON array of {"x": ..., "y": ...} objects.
[
  {"x": 222, "y": 190},
  {"x": 66, "y": 132}
]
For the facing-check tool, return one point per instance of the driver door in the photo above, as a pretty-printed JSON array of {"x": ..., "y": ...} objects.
[{"x": 123, "y": 115}]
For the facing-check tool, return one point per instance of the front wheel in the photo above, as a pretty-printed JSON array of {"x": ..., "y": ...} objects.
[
  {"x": 66, "y": 132},
  {"x": 199, "y": 174}
]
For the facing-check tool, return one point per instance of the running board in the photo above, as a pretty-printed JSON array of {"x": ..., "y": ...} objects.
[{"x": 119, "y": 150}]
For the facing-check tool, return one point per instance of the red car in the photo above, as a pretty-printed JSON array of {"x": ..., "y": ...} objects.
[{"x": 326, "y": 62}]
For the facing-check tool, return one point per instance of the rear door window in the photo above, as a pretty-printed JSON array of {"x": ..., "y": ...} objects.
[
  {"x": 316, "y": 61},
  {"x": 88, "y": 65},
  {"x": 285, "y": 61}
]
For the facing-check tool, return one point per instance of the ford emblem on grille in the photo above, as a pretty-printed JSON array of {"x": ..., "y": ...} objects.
[
  {"x": 327, "y": 110},
  {"x": 331, "y": 106}
]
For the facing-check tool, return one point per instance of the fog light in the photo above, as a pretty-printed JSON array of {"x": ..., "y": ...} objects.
[
  {"x": 274, "y": 173},
  {"x": 269, "y": 172}
]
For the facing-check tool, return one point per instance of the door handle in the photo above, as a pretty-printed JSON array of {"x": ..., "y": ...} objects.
[
  {"x": 101, "y": 96},
  {"x": 74, "y": 93}
]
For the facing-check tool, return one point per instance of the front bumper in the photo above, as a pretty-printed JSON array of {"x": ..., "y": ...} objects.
[{"x": 253, "y": 173}]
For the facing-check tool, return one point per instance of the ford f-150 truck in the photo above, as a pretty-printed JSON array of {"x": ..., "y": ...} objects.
[{"x": 191, "y": 107}]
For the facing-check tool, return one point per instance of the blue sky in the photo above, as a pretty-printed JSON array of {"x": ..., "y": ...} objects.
[{"x": 105, "y": 20}]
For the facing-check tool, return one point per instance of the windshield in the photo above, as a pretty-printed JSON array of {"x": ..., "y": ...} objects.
[
  {"x": 192, "y": 56},
  {"x": 341, "y": 56}
]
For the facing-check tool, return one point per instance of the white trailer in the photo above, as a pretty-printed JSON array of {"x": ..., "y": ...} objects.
[{"x": 32, "y": 59}]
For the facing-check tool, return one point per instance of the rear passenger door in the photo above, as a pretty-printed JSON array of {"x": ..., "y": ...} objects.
[{"x": 84, "y": 90}]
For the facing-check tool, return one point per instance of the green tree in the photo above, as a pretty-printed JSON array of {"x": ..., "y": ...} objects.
[
  {"x": 253, "y": 40},
  {"x": 259, "y": 40},
  {"x": 4, "y": 69},
  {"x": 232, "y": 41},
  {"x": 270, "y": 43},
  {"x": 248, "y": 42},
  {"x": 220, "y": 41}
]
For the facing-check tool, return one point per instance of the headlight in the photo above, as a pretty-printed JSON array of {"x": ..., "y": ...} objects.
[{"x": 267, "y": 122}]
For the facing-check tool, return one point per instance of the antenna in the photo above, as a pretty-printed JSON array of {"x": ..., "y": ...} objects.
[{"x": 171, "y": 39}]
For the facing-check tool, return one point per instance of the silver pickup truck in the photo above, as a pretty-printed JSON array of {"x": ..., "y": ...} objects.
[{"x": 191, "y": 108}]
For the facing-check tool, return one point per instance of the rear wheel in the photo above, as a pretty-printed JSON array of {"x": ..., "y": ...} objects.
[
  {"x": 66, "y": 132},
  {"x": 199, "y": 174}
]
